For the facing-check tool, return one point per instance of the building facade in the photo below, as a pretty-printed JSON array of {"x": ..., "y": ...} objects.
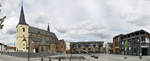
[
  {"x": 61, "y": 46},
  {"x": 138, "y": 43},
  {"x": 87, "y": 47},
  {"x": 116, "y": 44},
  {"x": 10, "y": 49},
  {"x": 34, "y": 39},
  {"x": 2, "y": 47},
  {"x": 108, "y": 47}
]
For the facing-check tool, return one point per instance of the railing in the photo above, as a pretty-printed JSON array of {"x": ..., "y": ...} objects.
[
  {"x": 25, "y": 54},
  {"x": 144, "y": 44}
]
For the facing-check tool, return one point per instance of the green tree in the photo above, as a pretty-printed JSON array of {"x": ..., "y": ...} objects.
[
  {"x": 126, "y": 45},
  {"x": 57, "y": 46},
  {"x": 1, "y": 22}
]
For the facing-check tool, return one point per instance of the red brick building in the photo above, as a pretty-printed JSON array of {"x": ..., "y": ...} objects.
[
  {"x": 116, "y": 44},
  {"x": 61, "y": 46}
]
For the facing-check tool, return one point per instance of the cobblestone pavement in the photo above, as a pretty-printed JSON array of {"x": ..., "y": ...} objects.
[{"x": 102, "y": 57}]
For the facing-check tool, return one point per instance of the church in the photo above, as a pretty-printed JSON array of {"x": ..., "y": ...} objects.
[{"x": 35, "y": 40}]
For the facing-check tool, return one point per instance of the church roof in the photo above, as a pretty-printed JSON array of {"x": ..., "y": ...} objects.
[
  {"x": 22, "y": 17},
  {"x": 48, "y": 29},
  {"x": 41, "y": 31}
]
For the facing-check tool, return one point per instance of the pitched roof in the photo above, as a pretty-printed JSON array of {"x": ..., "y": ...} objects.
[
  {"x": 10, "y": 47},
  {"x": 48, "y": 29},
  {"x": 41, "y": 31},
  {"x": 22, "y": 17},
  {"x": 1, "y": 44}
]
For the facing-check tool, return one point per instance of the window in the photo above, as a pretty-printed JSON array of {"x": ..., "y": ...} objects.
[
  {"x": 38, "y": 32},
  {"x": 42, "y": 49},
  {"x": 23, "y": 29},
  {"x": 137, "y": 33},
  {"x": 97, "y": 45},
  {"x": 23, "y": 44}
]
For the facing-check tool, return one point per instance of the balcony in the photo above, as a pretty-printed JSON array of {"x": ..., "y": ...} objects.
[{"x": 145, "y": 45}]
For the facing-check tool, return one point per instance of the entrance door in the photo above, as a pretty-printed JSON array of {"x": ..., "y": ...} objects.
[
  {"x": 36, "y": 50},
  {"x": 144, "y": 51}
]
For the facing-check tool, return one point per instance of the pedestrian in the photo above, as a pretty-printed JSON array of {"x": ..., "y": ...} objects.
[
  {"x": 125, "y": 57},
  {"x": 49, "y": 58},
  {"x": 140, "y": 57}
]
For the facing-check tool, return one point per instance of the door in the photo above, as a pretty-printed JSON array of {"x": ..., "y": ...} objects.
[{"x": 144, "y": 51}]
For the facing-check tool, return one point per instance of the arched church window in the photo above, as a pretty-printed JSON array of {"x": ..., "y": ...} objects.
[{"x": 23, "y": 29}]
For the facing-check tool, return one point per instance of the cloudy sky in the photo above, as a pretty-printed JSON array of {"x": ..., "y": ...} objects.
[{"x": 77, "y": 20}]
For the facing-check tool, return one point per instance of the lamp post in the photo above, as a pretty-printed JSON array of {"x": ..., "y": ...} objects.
[
  {"x": 28, "y": 50},
  {"x": 28, "y": 47},
  {"x": 70, "y": 54},
  {"x": 1, "y": 49},
  {"x": 140, "y": 54}
]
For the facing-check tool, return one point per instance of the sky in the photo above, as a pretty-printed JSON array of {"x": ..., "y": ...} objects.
[{"x": 77, "y": 20}]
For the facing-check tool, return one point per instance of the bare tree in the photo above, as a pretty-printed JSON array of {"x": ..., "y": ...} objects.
[{"x": 1, "y": 20}]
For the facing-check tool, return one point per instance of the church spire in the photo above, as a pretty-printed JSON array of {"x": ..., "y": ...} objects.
[
  {"x": 48, "y": 28},
  {"x": 22, "y": 17}
]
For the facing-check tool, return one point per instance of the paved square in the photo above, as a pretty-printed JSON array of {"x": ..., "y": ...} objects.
[{"x": 102, "y": 57}]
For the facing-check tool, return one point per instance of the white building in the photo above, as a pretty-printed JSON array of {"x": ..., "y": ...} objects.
[
  {"x": 11, "y": 49},
  {"x": 2, "y": 47}
]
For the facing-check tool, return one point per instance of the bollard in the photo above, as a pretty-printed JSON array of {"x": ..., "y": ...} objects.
[
  {"x": 125, "y": 57},
  {"x": 140, "y": 57},
  {"x": 49, "y": 58},
  {"x": 42, "y": 59},
  {"x": 59, "y": 58}
]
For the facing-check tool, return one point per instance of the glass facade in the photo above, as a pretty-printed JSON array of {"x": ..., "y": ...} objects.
[{"x": 87, "y": 47}]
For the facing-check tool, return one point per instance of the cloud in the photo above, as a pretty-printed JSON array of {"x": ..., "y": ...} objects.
[
  {"x": 141, "y": 21},
  {"x": 11, "y": 31},
  {"x": 61, "y": 29},
  {"x": 79, "y": 20},
  {"x": 86, "y": 30}
]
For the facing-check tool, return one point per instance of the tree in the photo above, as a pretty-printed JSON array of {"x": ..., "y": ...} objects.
[
  {"x": 1, "y": 19},
  {"x": 57, "y": 46},
  {"x": 126, "y": 45},
  {"x": 1, "y": 22}
]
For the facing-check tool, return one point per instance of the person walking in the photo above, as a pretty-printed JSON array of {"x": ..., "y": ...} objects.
[{"x": 140, "y": 56}]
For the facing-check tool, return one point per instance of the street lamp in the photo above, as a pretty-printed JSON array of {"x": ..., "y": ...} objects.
[
  {"x": 70, "y": 54},
  {"x": 140, "y": 54}
]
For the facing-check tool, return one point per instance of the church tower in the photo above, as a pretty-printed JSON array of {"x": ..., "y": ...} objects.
[
  {"x": 48, "y": 28},
  {"x": 22, "y": 33}
]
